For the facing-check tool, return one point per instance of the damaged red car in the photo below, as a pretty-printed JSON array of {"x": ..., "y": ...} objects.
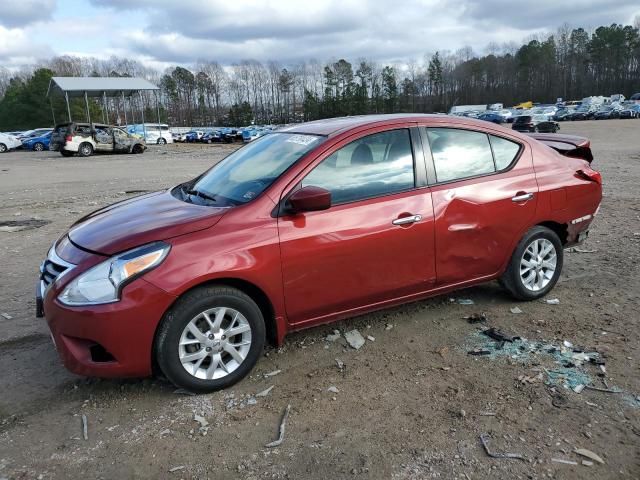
[{"x": 309, "y": 224}]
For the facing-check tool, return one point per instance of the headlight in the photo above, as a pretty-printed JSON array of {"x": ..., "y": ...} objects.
[{"x": 103, "y": 283}]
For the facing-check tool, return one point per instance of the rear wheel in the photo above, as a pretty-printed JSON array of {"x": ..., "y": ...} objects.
[
  {"x": 210, "y": 339},
  {"x": 3, "y": 148},
  {"x": 38, "y": 147},
  {"x": 85, "y": 149},
  {"x": 535, "y": 265},
  {"x": 162, "y": 141}
]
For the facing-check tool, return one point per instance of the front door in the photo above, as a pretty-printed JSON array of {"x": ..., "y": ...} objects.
[
  {"x": 376, "y": 241},
  {"x": 484, "y": 198}
]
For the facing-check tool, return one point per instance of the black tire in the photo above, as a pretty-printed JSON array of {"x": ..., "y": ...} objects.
[
  {"x": 85, "y": 149},
  {"x": 66, "y": 153},
  {"x": 137, "y": 149},
  {"x": 187, "y": 308},
  {"x": 511, "y": 279},
  {"x": 3, "y": 148},
  {"x": 38, "y": 147},
  {"x": 162, "y": 141}
]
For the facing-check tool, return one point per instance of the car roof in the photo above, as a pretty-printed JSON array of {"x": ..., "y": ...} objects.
[{"x": 334, "y": 126}]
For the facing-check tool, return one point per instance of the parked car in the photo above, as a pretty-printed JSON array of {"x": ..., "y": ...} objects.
[
  {"x": 85, "y": 139},
  {"x": 152, "y": 133},
  {"x": 630, "y": 111},
  {"x": 535, "y": 123},
  {"x": 212, "y": 137},
  {"x": 37, "y": 144},
  {"x": 8, "y": 142},
  {"x": 37, "y": 132},
  {"x": 493, "y": 117},
  {"x": 563, "y": 113},
  {"x": 583, "y": 112},
  {"x": 193, "y": 136},
  {"x": 607, "y": 112},
  {"x": 310, "y": 224}
]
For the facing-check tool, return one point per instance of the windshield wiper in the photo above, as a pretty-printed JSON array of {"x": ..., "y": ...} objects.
[{"x": 201, "y": 194}]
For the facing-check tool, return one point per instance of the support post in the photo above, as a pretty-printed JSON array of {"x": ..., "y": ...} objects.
[
  {"x": 53, "y": 114},
  {"x": 66, "y": 97},
  {"x": 124, "y": 109},
  {"x": 158, "y": 110},
  {"x": 144, "y": 128},
  {"x": 133, "y": 118},
  {"x": 104, "y": 108},
  {"x": 86, "y": 102}
]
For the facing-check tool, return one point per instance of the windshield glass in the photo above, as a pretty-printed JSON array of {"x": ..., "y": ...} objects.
[{"x": 247, "y": 172}]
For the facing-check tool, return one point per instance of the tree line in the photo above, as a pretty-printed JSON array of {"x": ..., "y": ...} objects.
[{"x": 571, "y": 63}]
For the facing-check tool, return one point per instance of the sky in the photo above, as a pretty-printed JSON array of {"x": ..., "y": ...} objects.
[{"x": 161, "y": 33}]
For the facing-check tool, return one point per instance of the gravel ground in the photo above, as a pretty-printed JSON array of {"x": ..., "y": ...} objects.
[{"x": 410, "y": 404}]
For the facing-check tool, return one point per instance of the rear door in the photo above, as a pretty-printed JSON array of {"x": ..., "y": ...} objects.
[
  {"x": 375, "y": 243},
  {"x": 104, "y": 139},
  {"x": 484, "y": 197}
]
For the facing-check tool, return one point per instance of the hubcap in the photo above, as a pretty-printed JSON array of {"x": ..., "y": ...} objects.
[
  {"x": 538, "y": 264},
  {"x": 215, "y": 343}
]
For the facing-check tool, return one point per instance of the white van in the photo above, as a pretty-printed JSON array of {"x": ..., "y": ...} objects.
[
  {"x": 8, "y": 142},
  {"x": 154, "y": 135}
]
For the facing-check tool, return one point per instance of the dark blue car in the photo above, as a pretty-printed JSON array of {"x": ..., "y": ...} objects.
[
  {"x": 491, "y": 117},
  {"x": 37, "y": 144}
]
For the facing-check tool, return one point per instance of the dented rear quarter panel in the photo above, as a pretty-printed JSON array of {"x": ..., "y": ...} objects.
[{"x": 563, "y": 194}]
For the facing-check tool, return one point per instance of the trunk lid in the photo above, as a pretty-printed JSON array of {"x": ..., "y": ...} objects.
[{"x": 567, "y": 145}]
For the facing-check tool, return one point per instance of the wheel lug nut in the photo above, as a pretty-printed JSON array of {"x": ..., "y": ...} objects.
[
  {"x": 224, "y": 337},
  {"x": 210, "y": 337},
  {"x": 208, "y": 349}
]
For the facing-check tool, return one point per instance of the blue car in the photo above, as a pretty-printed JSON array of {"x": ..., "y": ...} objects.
[
  {"x": 491, "y": 117},
  {"x": 37, "y": 144}
]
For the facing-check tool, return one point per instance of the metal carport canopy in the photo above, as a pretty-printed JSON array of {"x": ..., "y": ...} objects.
[
  {"x": 102, "y": 87},
  {"x": 98, "y": 86}
]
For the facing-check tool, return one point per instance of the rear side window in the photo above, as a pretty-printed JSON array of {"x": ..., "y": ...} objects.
[
  {"x": 371, "y": 166},
  {"x": 504, "y": 151},
  {"x": 460, "y": 153}
]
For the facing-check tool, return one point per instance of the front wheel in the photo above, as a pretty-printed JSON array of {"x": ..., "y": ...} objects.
[
  {"x": 3, "y": 148},
  {"x": 137, "y": 149},
  {"x": 210, "y": 339},
  {"x": 38, "y": 147},
  {"x": 162, "y": 141},
  {"x": 535, "y": 266}
]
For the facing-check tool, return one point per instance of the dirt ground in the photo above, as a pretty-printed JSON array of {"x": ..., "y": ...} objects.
[{"x": 410, "y": 404}]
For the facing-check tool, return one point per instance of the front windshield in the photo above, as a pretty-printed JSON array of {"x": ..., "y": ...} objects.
[{"x": 247, "y": 172}]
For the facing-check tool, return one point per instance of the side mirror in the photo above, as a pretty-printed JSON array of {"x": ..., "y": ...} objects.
[{"x": 310, "y": 199}]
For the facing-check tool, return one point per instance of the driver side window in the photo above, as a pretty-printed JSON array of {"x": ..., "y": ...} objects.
[{"x": 372, "y": 166}]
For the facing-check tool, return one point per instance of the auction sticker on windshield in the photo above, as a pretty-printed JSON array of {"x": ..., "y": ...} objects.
[{"x": 302, "y": 139}]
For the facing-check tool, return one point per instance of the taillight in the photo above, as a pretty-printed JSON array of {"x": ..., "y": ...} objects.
[
  {"x": 67, "y": 138},
  {"x": 590, "y": 174}
]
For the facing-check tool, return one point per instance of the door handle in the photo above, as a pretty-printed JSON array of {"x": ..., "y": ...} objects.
[
  {"x": 523, "y": 197},
  {"x": 407, "y": 220}
]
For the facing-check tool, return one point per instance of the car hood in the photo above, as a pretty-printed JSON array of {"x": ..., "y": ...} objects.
[{"x": 139, "y": 220}]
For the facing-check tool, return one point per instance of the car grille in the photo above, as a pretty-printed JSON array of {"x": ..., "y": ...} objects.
[{"x": 52, "y": 268}]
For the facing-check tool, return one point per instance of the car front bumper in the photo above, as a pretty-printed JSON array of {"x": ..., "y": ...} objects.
[{"x": 109, "y": 340}]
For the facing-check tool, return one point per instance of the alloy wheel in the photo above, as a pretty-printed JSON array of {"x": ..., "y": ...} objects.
[
  {"x": 538, "y": 264},
  {"x": 215, "y": 343}
]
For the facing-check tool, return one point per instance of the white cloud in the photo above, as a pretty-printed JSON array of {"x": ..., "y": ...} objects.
[
  {"x": 24, "y": 12},
  {"x": 17, "y": 48}
]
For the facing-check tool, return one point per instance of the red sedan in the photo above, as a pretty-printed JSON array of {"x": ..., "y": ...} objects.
[{"x": 307, "y": 225}]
